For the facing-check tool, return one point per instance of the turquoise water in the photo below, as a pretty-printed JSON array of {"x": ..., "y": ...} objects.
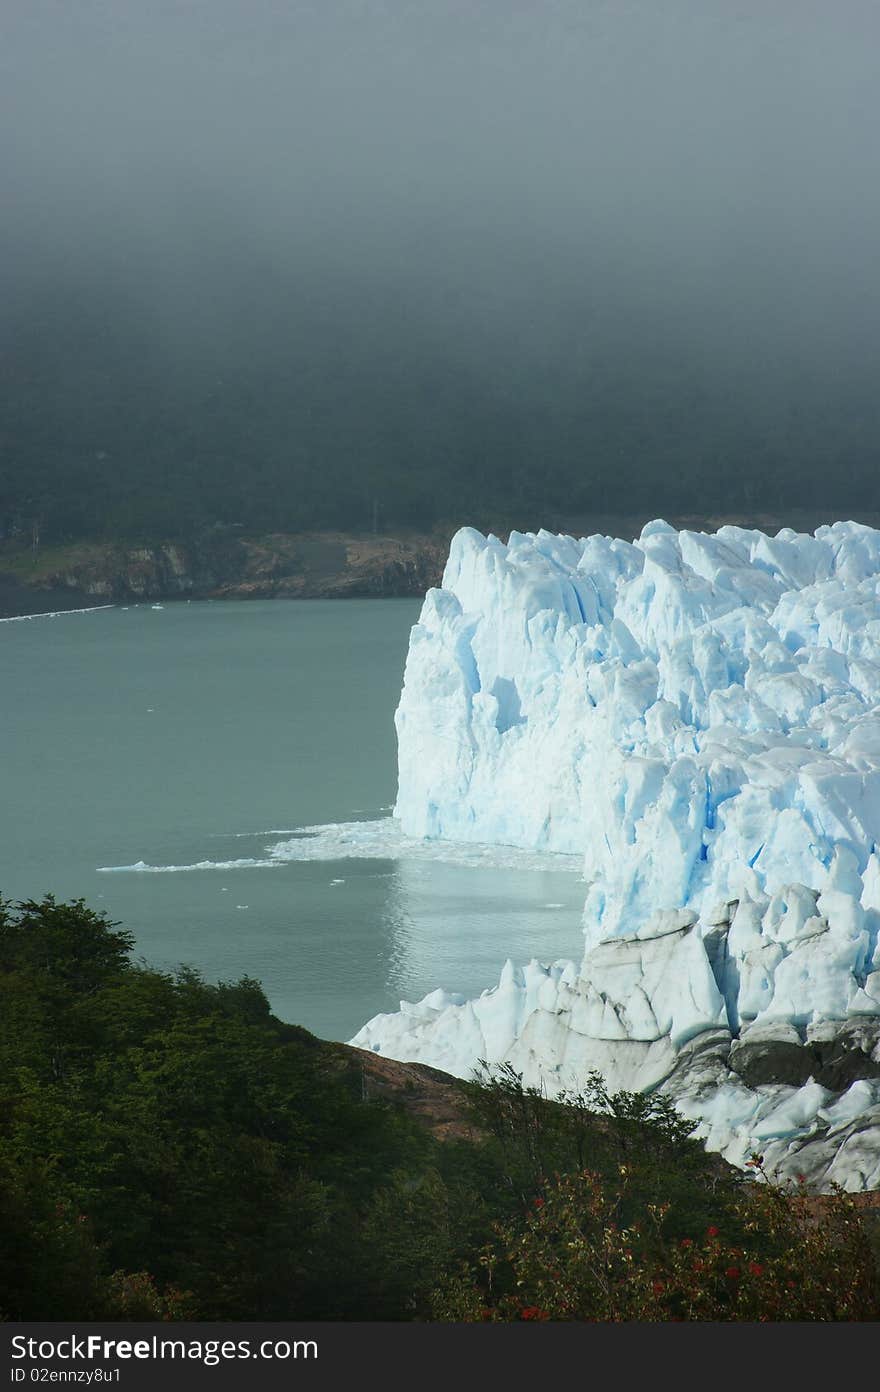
[{"x": 200, "y": 734}]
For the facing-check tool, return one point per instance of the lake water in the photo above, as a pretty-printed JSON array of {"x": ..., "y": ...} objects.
[{"x": 169, "y": 765}]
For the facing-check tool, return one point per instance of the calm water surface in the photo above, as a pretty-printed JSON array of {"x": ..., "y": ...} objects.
[{"x": 209, "y": 733}]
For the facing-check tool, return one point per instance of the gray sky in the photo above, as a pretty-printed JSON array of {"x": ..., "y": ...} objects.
[{"x": 523, "y": 184}]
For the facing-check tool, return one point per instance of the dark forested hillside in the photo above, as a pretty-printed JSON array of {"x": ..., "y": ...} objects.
[{"x": 348, "y": 414}]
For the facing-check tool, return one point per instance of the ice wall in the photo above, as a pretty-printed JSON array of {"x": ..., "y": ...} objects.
[
  {"x": 699, "y": 717},
  {"x": 683, "y": 711}
]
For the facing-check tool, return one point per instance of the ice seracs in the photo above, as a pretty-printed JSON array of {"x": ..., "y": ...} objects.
[
  {"x": 698, "y": 716},
  {"x": 688, "y": 1006},
  {"x": 679, "y": 710}
]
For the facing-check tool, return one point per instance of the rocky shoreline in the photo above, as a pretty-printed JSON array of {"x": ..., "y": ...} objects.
[{"x": 220, "y": 566}]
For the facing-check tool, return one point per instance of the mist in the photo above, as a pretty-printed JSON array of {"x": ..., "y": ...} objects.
[{"x": 270, "y": 261}]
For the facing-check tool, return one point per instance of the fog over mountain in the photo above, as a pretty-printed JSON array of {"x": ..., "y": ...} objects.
[{"x": 294, "y": 264}]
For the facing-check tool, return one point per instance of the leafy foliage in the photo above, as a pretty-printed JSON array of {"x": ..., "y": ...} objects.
[
  {"x": 169, "y": 1149},
  {"x": 640, "y": 1136},
  {"x": 200, "y": 1139},
  {"x": 571, "y": 1258}
]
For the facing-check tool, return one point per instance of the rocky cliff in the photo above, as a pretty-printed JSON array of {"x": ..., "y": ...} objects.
[{"x": 221, "y": 565}]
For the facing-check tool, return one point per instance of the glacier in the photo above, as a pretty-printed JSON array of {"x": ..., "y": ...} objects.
[{"x": 697, "y": 716}]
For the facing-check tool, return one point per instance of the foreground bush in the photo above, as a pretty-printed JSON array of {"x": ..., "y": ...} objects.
[
  {"x": 569, "y": 1258},
  {"x": 169, "y": 1146}
]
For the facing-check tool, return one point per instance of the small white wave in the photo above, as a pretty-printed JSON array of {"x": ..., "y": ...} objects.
[
  {"x": 141, "y": 867},
  {"x": 376, "y": 840},
  {"x": 56, "y": 613},
  {"x": 246, "y": 835}
]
